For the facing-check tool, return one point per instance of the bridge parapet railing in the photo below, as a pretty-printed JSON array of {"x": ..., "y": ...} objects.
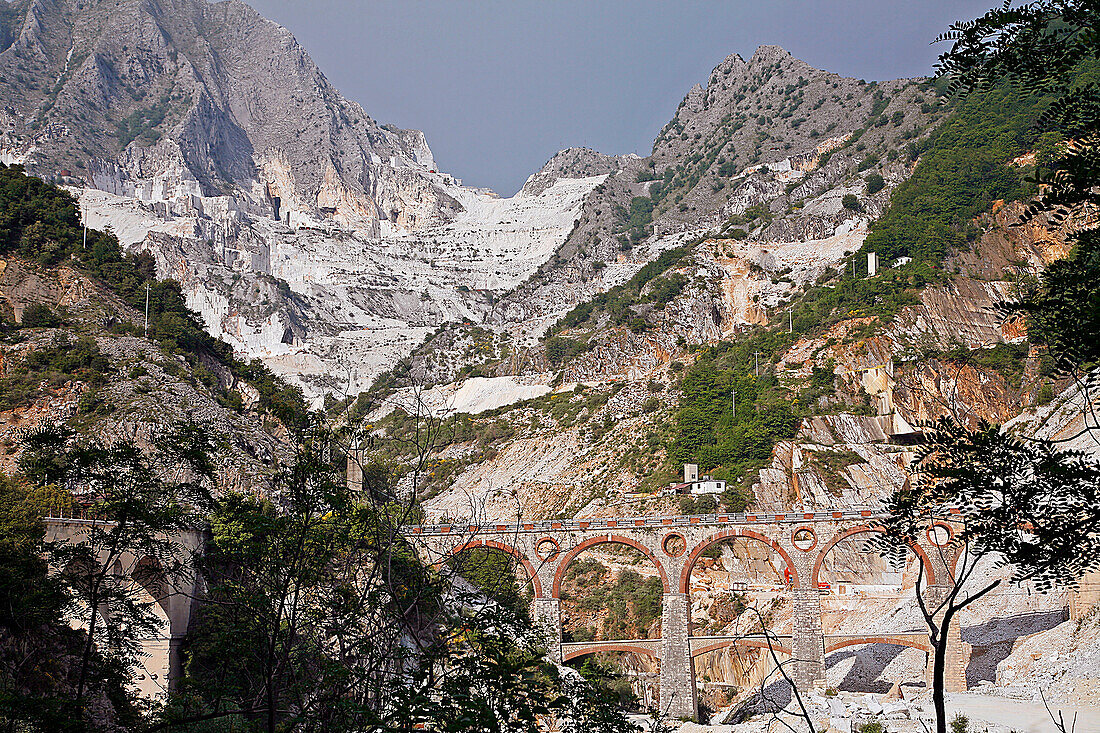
[
  {"x": 621, "y": 523},
  {"x": 76, "y": 512}
]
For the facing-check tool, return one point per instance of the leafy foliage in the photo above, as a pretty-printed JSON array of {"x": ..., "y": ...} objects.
[
  {"x": 50, "y": 366},
  {"x": 963, "y": 168},
  {"x": 494, "y": 572},
  {"x": 618, "y": 301},
  {"x": 633, "y": 604},
  {"x": 1030, "y": 505},
  {"x": 142, "y": 124},
  {"x": 1064, "y": 313},
  {"x": 709, "y": 432},
  {"x": 1023, "y": 505}
]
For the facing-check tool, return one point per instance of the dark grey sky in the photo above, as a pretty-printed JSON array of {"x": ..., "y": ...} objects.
[{"x": 500, "y": 86}]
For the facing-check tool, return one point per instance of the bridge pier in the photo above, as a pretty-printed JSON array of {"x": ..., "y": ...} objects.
[
  {"x": 808, "y": 641},
  {"x": 954, "y": 673},
  {"x": 941, "y": 560},
  {"x": 679, "y": 698},
  {"x": 548, "y": 618}
]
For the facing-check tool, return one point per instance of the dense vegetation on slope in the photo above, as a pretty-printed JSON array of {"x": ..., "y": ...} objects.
[
  {"x": 646, "y": 286},
  {"x": 40, "y": 222},
  {"x": 628, "y": 603},
  {"x": 965, "y": 165},
  {"x": 731, "y": 414}
]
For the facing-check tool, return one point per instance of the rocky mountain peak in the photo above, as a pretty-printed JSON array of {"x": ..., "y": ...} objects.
[
  {"x": 769, "y": 54},
  {"x": 170, "y": 99}
]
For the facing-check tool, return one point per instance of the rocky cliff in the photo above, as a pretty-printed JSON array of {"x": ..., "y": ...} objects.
[
  {"x": 171, "y": 101},
  {"x": 310, "y": 235},
  {"x": 304, "y": 232}
]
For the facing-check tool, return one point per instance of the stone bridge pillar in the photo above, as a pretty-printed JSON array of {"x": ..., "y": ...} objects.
[
  {"x": 678, "y": 694},
  {"x": 808, "y": 640},
  {"x": 954, "y": 673},
  {"x": 548, "y": 618},
  {"x": 942, "y": 553}
]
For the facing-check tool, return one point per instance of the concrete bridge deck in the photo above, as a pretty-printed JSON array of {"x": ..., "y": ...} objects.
[{"x": 582, "y": 525}]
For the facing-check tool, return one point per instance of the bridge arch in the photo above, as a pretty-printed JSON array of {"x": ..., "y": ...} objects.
[
  {"x": 508, "y": 549},
  {"x": 911, "y": 643},
  {"x": 604, "y": 646},
  {"x": 148, "y": 573},
  {"x": 613, "y": 539},
  {"x": 930, "y": 573},
  {"x": 685, "y": 574}
]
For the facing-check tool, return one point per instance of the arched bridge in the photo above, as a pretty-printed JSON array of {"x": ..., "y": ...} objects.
[
  {"x": 674, "y": 544},
  {"x": 170, "y": 593}
]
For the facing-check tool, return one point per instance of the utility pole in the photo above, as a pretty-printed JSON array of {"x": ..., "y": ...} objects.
[
  {"x": 733, "y": 404},
  {"x": 146, "y": 310},
  {"x": 757, "y": 355},
  {"x": 790, "y": 319}
]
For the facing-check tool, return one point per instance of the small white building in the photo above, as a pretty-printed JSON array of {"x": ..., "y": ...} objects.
[
  {"x": 695, "y": 485},
  {"x": 708, "y": 486}
]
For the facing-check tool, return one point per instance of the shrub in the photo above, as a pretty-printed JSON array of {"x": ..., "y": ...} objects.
[
  {"x": 962, "y": 170},
  {"x": 850, "y": 202},
  {"x": 40, "y": 316},
  {"x": 875, "y": 183}
]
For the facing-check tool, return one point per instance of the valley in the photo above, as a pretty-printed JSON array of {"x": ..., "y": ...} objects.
[{"x": 378, "y": 392}]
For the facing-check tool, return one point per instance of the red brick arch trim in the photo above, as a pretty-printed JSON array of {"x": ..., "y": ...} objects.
[
  {"x": 862, "y": 529},
  {"x": 912, "y": 644},
  {"x": 685, "y": 574},
  {"x": 752, "y": 643},
  {"x": 603, "y": 540},
  {"x": 511, "y": 551},
  {"x": 608, "y": 647}
]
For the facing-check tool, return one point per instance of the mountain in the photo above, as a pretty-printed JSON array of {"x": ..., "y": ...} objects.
[
  {"x": 309, "y": 235},
  {"x": 89, "y": 339},
  {"x": 179, "y": 100},
  {"x": 764, "y": 346},
  {"x": 302, "y": 230},
  {"x": 770, "y": 147},
  {"x": 716, "y": 302}
]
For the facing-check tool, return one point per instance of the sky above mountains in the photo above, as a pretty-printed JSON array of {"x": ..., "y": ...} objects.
[{"x": 500, "y": 86}]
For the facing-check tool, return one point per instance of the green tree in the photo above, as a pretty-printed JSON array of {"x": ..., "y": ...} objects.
[
  {"x": 39, "y": 651},
  {"x": 38, "y": 315},
  {"x": 1049, "y": 48},
  {"x": 1023, "y": 505},
  {"x": 132, "y": 499}
]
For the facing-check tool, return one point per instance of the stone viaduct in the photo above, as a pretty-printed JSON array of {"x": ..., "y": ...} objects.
[
  {"x": 674, "y": 544},
  {"x": 546, "y": 548},
  {"x": 172, "y": 596}
]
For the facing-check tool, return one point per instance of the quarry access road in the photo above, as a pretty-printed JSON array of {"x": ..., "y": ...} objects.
[{"x": 1024, "y": 716}]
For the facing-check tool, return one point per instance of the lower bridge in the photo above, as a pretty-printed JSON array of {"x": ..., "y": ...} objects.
[{"x": 779, "y": 643}]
